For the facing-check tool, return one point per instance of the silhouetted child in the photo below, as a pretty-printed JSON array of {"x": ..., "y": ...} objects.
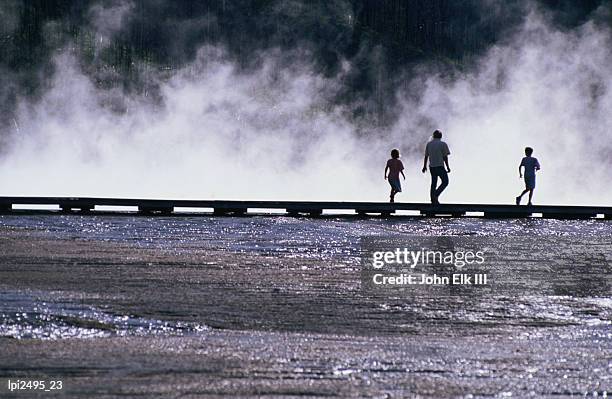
[
  {"x": 530, "y": 164},
  {"x": 394, "y": 167}
]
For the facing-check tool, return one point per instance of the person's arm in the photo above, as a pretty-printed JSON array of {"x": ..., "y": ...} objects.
[
  {"x": 520, "y": 172},
  {"x": 537, "y": 165},
  {"x": 386, "y": 169},
  {"x": 402, "y": 172},
  {"x": 446, "y": 154},
  {"x": 425, "y": 163}
]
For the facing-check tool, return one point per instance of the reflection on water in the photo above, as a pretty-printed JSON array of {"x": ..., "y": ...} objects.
[
  {"x": 24, "y": 316},
  {"x": 296, "y": 274},
  {"x": 321, "y": 237},
  {"x": 274, "y": 306}
]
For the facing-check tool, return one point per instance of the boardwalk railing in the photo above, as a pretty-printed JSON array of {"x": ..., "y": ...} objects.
[{"x": 312, "y": 208}]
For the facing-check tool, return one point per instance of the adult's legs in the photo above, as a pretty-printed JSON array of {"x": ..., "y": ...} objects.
[
  {"x": 444, "y": 178},
  {"x": 434, "y": 184}
]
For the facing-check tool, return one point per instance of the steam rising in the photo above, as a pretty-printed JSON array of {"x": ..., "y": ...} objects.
[{"x": 275, "y": 132}]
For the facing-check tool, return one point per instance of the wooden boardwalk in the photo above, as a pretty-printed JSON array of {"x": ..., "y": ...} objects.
[{"x": 86, "y": 205}]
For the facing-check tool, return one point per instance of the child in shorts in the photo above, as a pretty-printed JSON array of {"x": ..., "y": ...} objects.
[
  {"x": 394, "y": 167},
  {"x": 531, "y": 165}
]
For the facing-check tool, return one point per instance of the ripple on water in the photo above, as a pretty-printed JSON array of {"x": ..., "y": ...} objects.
[{"x": 25, "y": 316}]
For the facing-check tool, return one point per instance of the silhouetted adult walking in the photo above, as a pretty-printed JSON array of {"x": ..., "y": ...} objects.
[{"x": 437, "y": 153}]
